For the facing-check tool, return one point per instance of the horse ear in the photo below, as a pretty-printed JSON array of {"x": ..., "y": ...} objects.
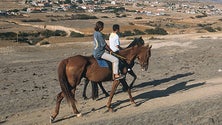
[
  {"x": 140, "y": 37},
  {"x": 150, "y": 46}
]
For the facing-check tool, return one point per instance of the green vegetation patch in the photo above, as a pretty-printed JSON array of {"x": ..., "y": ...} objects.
[
  {"x": 83, "y": 17},
  {"x": 32, "y": 20},
  {"x": 157, "y": 31},
  {"x": 75, "y": 34}
]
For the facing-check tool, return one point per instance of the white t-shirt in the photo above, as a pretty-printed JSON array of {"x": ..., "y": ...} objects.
[{"x": 114, "y": 42}]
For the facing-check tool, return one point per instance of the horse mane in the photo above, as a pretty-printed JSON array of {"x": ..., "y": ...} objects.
[{"x": 137, "y": 41}]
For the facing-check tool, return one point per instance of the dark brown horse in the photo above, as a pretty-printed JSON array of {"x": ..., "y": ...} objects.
[
  {"x": 137, "y": 41},
  {"x": 71, "y": 70}
]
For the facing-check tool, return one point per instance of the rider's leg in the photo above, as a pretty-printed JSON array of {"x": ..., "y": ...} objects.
[{"x": 115, "y": 62}]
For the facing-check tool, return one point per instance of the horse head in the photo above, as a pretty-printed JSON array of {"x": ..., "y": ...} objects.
[
  {"x": 137, "y": 49},
  {"x": 137, "y": 41},
  {"x": 143, "y": 56}
]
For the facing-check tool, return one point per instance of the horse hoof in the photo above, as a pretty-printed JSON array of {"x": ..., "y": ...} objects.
[
  {"x": 110, "y": 110},
  {"x": 51, "y": 119},
  {"x": 94, "y": 98},
  {"x": 134, "y": 104},
  {"x": 79, "y": 115}
]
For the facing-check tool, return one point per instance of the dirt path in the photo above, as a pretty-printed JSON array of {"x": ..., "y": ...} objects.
[
  {"x": 49, "y": 27},
  {"x": 183, "y": 85}
]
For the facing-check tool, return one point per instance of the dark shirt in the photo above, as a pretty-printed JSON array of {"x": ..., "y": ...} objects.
[{"x": 99, "y": 45}]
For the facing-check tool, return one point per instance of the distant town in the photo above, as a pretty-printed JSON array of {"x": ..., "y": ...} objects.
[{"x": 149, "y": 8}]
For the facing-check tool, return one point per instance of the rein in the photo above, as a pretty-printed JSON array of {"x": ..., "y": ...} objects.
[{"x": 119, "y": 56}]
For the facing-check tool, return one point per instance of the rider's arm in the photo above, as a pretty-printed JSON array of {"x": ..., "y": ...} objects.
[
  {"x": 108, "y": 48},
  {"x": 118, "y": 46}
]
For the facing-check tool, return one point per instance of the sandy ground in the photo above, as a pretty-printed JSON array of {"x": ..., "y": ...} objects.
[{"x": 182, "y": 86}]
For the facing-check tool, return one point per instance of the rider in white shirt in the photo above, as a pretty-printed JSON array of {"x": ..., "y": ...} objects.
[{"x": 114, "y": 42}]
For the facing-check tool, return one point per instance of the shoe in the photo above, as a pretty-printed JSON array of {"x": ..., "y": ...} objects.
[{"x": 120, "y": 77}]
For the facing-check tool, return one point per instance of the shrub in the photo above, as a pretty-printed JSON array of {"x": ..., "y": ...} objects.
[
  {"x": 82, "y": 17},
  {"x": 104, "y": 17},
  {"x": 137, "y": 18},
  {"x": 47, "y": 33},
  {"x": 131, "y": 10},
  {"x": 117, "y": 14},
  {"x": 33, "y": 20},
  {"x": 209, "y": 29},
  {"x": 60, "y": 33},
  {"x": 131, "y": 23},
  {"x": 201, "y": 31},
  {"x": 75, "y": 34},
  {"x": 14, "y": 10},
  {"x": 201, "y": 16},
  {"x": 23, "y": 34},
  {"x": 138, "y": 32},
  {"x": 54, "y": 19},
  {"x": 126, "y": 33},
  {"x": 154, "y": 38},
  {"x": 44, "y": 43},
  {"x": 219, "y": 28},
  {"x": 115, "y": 9},
  {"x": 8, "y": 36},
  {"x": 157, "y": 30},
  {"x": 203, "y": 25}
]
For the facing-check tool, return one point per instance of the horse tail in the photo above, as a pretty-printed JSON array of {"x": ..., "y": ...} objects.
[{"x": 64, "y": 84}]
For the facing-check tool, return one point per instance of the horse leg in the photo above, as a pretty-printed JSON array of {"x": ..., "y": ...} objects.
[
  {"x": 86, "y": 82},
  {"x": 74, "y": 105},
  {"x": 102, "y": 88},
  {"x": 130, "y": 97},
  {"x": 60, "y": 96},
  {"x": 124, "y": 84},
  {"x": 95, "y": 93},
  {"x": 114, "y": 86},
  {"x": 128, "y": 89},
  {"x": 134, "y": 78}
]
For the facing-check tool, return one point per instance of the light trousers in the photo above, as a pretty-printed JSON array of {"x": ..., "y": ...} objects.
[{"x": 114, "y": 60}]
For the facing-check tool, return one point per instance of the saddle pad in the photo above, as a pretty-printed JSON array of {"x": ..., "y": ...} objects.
[{"x": 102, "y": 63}]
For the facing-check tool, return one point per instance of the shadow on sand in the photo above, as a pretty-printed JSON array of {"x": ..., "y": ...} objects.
[
  {"x": 170, "y": 90},
  {"x": 161, "y": 81},
  {"x": 182, "y": 86},
  {"x": 64, "y": 118}
]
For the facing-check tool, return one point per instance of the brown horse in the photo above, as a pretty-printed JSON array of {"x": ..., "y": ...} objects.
[
  {"x": 71, "y": 70},
  {"x": 137, "y": 41}
]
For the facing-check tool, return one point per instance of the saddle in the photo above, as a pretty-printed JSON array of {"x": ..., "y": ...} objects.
[{"x": 104, "y": 63}]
